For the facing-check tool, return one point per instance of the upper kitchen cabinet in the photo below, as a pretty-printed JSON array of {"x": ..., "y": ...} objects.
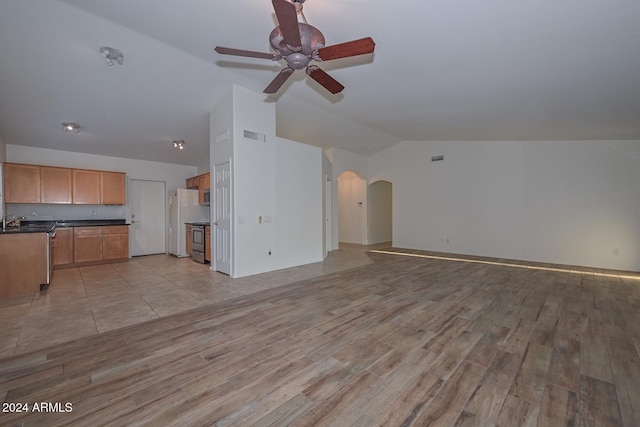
[
  {"x": 112, "y": 188},
  {"x": 55, "y": 185},
  {"x": 98, "y": 187},
  {"x": 50, "y": 184},
  {"x": 21, "y": 183},
  {"x": 86, "y": 187},
  {"x": 204, "y": 181}
]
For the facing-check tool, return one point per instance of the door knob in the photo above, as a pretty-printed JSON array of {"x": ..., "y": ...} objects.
[{"x": 215, "y": 222}]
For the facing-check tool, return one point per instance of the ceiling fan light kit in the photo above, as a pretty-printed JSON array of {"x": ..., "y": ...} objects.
[
  {"x": 111, "y": 55},
  {"x": 299, "y": 43}
]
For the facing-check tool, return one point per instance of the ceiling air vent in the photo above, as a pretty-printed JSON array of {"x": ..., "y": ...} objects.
[{"x": 255, "y": 136}]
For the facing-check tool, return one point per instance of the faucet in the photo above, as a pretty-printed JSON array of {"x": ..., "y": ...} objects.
[{"x": 14, "y": 221}]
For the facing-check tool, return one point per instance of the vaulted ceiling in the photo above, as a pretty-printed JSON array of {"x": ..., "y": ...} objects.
[{"x": 442, "y": 70}]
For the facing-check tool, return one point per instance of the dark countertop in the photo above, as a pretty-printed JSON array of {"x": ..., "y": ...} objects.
[
  {"x": 198, "y": 223},
  {"x": 46, "y": 226}
]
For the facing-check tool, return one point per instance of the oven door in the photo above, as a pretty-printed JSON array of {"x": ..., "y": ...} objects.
[{"x": 197, "y": 236}]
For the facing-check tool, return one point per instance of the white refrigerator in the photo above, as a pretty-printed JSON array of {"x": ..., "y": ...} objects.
[{"x": 183, "y": 207}]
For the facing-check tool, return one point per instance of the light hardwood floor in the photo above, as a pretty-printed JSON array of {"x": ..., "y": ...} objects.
[{"x": 403, "y": 341}]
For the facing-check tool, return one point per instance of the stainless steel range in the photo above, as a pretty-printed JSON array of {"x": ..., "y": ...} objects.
[{"x": 198, "y": 242}]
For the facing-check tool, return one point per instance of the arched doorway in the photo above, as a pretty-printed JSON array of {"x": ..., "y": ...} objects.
[
  {"x": 380, "y": 212},
  {"x": 352, "y": 194}
]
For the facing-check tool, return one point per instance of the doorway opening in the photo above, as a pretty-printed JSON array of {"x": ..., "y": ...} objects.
[
  {"x": 352, "y": 214},
  {"x": 380, "y": 213}
]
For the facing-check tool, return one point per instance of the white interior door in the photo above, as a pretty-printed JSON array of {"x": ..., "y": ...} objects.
[
  {"x": 148, "y": 225},
  {"x": 221, "y": 218}
]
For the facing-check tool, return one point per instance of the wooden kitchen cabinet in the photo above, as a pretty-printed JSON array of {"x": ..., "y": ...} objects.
[
  {"x": 112, "y": 188},
  {"x": 93, "y": 244},
  {"x": 86, "y": 187},
  {"x": 98, "y": 187},
  {"x": 21, "y": 183},
  {"x": 63, "y": 246},
  {"x": 55, "y": 185},
  {"x": 189, "y": 239},
  {"x": 207, "y": 243},
  {"x": 87, "y": 244},
  {"x": 202, "y": 183},
  {"x": 23, "y": 264},
  {"x": 203, "y": 186},
  {"x": 115, "y": 242},
  {"x": 192, "y": 183}
]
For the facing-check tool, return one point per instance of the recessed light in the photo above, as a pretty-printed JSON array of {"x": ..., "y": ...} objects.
[{"x": 68, "y": 126}]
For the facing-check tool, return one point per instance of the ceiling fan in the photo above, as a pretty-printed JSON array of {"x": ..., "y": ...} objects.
[{"x": 299, "y": 43}]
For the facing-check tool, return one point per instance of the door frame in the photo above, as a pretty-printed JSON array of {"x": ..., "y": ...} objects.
[
  {"x": 165, "y": 212},
  {"x": 214, "y": 234}
]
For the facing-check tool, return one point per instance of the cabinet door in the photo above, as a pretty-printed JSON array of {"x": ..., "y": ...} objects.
[
  {"x": 87, "y": 244},
  {"x": 86, "y": 187},
  {"x": 189, "y": 239},
  {"x": 115, "y": 246},
  {"x": 21, "y": 183},
  {"x": 112, "y": 188},
  {"x": 204, "y": 181},
  {"x": 115, "y": 242},
  {"x": 207, "y": 243},
  {"x": 203, "y": 185},
  {"x": 64, "y": 246},
  {"x": 55, "y": 185}
]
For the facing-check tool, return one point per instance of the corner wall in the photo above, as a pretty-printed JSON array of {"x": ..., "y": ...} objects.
[
  {"x": 562, "y": 202},
  {"x": 277, "y": 188}
]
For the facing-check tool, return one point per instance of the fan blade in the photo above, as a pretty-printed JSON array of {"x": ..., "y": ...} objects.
[
  {"x": 277, "y": 83},
  {"x": 328, "y": 82},
  {"x": 288, "y": 22},
  {"x": 240, "y": 52},
  {"x": 344, "y": 50}
]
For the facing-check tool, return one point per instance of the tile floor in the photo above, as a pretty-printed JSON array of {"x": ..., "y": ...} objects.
[{"x": 91, "y": 300}]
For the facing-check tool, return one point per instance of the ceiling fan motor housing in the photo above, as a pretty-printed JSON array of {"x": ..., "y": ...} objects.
[{"x": 310, "y": 36}]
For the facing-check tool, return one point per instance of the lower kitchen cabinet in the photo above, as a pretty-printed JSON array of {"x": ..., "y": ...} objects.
[
  {"x": 63, "y": 246},
  {"x": 95, "y": 244},
  {"x": 189, "y": 240},
  {"x": 87, "y": 244},
  {"x": 115, "y": 242}
]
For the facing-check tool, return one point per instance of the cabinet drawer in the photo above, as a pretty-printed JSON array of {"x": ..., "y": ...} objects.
[
  {"x": 115, "y": 229},
  {"x": 87, "y": 231}
]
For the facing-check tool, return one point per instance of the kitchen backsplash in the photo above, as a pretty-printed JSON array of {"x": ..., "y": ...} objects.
[{"x": 33, "y": 212}]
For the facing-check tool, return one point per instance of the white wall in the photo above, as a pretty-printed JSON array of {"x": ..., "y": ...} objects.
[
  {"x": 566, "y": 202},
  {"x": 173, "y": 175},
  {"x": 3, "y": 150},
  {"x": 277, "y": 191},
  {"x": 379, "y": 212},
  {"x": 327, "y": 218}
]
